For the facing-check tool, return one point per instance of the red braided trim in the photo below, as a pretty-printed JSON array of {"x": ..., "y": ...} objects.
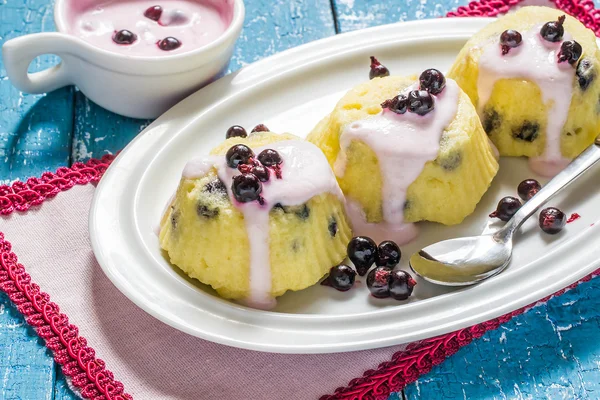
[
  {"x": 420, "y": 357},
  {"x": 583, "y": 10},
  {"x": 484, "y": 8},
  {"x": 20, "y": 196},
  {"x": 78, "y": 360}
]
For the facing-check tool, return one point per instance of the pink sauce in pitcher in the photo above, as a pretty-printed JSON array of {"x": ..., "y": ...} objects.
[{"x": 150, "y": 27}]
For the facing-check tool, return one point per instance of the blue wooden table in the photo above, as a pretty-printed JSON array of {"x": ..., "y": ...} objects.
[{"x": 552, "y": 352}]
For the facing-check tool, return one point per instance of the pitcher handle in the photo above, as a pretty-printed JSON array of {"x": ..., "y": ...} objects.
[{"x": 18, "y": 53}]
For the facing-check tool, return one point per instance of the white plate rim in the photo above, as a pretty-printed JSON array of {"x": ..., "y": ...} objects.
[{"x": 277, "y": 67}]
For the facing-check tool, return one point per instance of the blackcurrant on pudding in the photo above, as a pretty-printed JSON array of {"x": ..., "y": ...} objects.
[
  {"x": 236, "y": 131},
  {"x": 532, "y": 76},
  {"x": 510, "y": 39},
  {"x": 149, "y": 28},
  {"x": 260, "y": 128},
  {"x": 260, "y": 215},
  {"x": 406, "y": 149}
]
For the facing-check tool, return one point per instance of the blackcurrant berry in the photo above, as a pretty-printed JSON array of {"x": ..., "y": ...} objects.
[
  {"x": 246, "y": 188},
  {"x": 269, "y": 158},
  {"x": 401, "y": 285},
  {"x": 586, "y": 74},
  {"x": 570, "y": 51},
  {"x": 507, "y": 207},
  {"x": 362, "y": 251},
  {"x": 238, "y": 154},
  {"x": 528, "y": 188},
  {"x": 420, "y": 102},
  {"x": 261, "y": 173},
  {"x": 378, "y": 282},
  {"x": 552, "y": 220},
  {"x": 169, "y": 43},
  {"x": 124, "y": 37},
  {"x": 153, "y": 13},
  {"x": 432, "y": 81},
  {"x": 341, "y": 277},
  {"x": 377, "y": 69},
  {"x": 260, "y": 128},
  {"x": 398, "y": 104},
  {"x": 553, "y": 31},
  {"x": 388, "y": 254},
  {"x": 510, "y": 39},
  {"x": 236, "y": 131}
]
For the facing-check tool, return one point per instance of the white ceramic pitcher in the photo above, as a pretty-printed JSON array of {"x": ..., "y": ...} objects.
[{"x": 134, "y": 86}]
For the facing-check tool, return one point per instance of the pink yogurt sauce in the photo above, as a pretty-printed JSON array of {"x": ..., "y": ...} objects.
[
  {"x": 193, "y": 23},
  {"x": 305, "y": 173}
]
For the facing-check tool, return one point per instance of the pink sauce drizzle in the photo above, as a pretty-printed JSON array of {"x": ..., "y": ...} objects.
[
  {"x": 535, "y": 60},
  {"x": 403, "y": 145},
  {"x": 305, "y": 174},
  {"x": 198, "y": 167}
]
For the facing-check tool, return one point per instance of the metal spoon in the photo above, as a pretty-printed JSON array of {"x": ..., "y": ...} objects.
[{"x": 465, "y": 261}]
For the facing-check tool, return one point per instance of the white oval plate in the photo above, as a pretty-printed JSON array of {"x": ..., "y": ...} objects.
[{"x": 290, "y": 92}]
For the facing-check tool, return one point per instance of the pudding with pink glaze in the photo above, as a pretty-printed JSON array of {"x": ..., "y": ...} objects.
[
  {"x": 403, "y": 144},
  {"x": 534, "y": 59},
  {"x": 150, "y": 28},
  {"x": 406, "y": 150},
  {"x": 533, "y": 76},
  {"x": 259, "y": 216}
]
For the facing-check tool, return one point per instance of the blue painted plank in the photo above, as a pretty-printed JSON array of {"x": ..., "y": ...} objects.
[
  {"x": 26, "y": 368},
  {"x": 359, "y": 14},
  {"x": 35, "y": 131},
  {"x": 35, "y": 135},
  {"x": 274, "y": 26},
  {"x": 270, "y": 27},
  {"x": 98, "y": 131},
  {"x": 61, "y": 389}
]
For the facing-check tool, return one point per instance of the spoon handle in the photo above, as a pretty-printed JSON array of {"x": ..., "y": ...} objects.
[{"x": 574, "y": 170}]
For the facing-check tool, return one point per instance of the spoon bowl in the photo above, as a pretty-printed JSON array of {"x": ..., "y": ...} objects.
[{"x": 462, "y": 261}]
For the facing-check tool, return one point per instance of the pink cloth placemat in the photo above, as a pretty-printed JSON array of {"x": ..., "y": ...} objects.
[{"x": 110, "y": 349}]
